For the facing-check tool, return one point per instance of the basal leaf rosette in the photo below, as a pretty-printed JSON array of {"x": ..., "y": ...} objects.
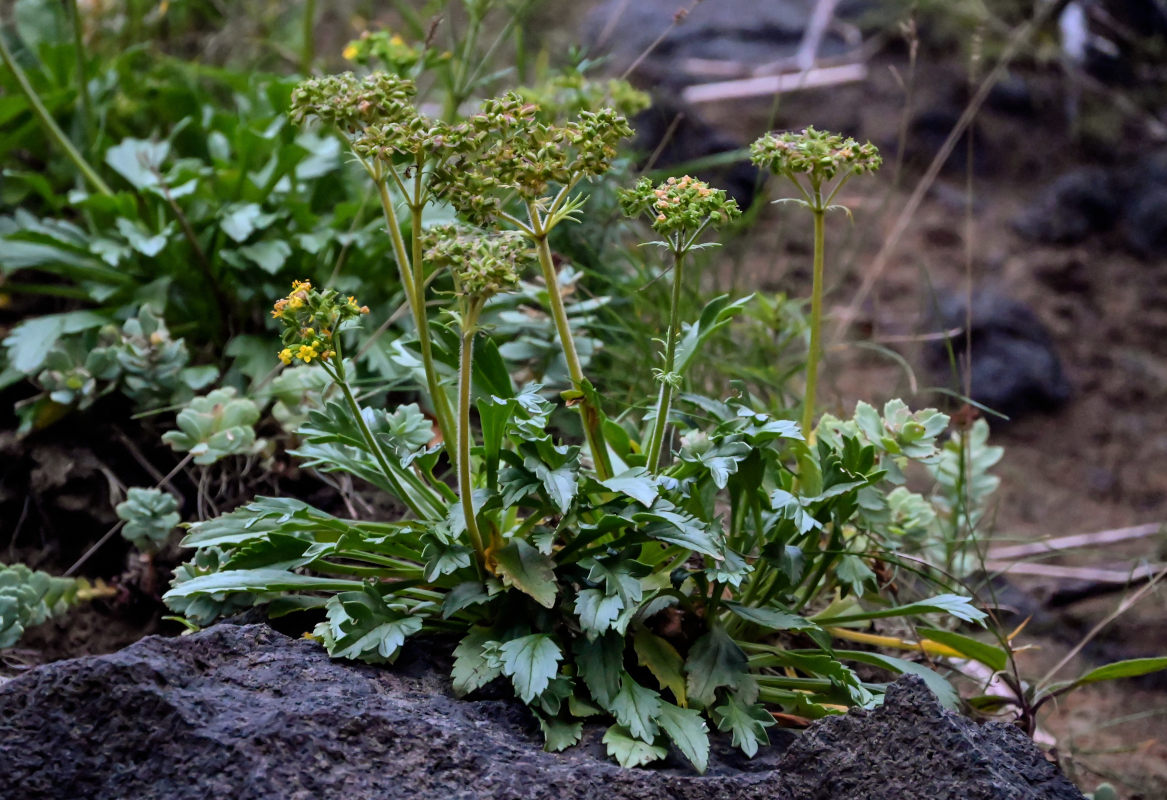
[
  {"x": 311, "y": 318},
  {"x": 821, "y": 155}
]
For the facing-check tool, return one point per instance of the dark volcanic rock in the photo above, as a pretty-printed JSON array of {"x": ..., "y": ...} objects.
[
  {"x": 1077, "y": 204},
  {"x": 243, "y": 712},
  {"x": 913, "y": 748},
  {"x": 1015, "y": 369}
]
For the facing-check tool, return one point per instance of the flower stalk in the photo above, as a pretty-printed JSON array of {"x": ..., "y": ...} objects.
[
  {"x": 680, "y": 210},
  {"x": 818, "y": 163}
]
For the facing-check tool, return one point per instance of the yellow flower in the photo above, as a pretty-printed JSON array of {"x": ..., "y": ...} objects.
[
  {"x": 396, "y": 40},
  {"x": 306, "y": 353},
  {"x": 286, "y": 355},
  {"x": 295, "y": 302},
  {"x": 350, "y": 52}
]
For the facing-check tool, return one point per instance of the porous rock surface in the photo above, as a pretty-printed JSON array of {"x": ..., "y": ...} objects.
[{"x": 245, "y": 713}]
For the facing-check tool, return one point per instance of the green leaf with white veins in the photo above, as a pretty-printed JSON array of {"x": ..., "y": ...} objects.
[
  {"x": 629, "y": 751},
  {"x": 530, "y": 662},
  {"x": 529, "y": 571},
  {"x": 688, "y": 731},
  {"x": 636, "y": 707}
]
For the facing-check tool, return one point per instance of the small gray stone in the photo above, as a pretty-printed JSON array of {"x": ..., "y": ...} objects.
[{"x": 1015, "y": 369}]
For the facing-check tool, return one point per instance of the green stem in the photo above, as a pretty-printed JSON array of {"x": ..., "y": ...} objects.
[
  {"x": 411, "y": 271},
  {"x": 588, "y": 412},
  {"x": 816, "y": 319},
  {"x": 79, "y": 52},
  {"x": 438, "y": 396},
  {"x": 465, "y": 471},
  {"x": 374, "y": 446},
  {"x": 49, "y": 124},
  {"x": 666, "y": 387},
  {"x": 827, "y": 559},
  {"x": 399, "y": 250},
  {"x": 308, "y": 44}
]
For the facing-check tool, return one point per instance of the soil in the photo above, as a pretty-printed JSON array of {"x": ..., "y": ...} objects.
[{"x": 1098, "y": 463}]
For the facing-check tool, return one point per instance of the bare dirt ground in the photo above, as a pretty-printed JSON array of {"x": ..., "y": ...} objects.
[{"x": 1098, "y": 463}]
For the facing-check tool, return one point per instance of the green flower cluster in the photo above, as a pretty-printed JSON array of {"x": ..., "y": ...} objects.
[
  {"x": 571, "y": 93},
  {"x": 415, "y": 136},
  {"x": 820, "y": 154},
  {"x": 352, "y": 104},
  {"x": 483, "y": 265},
  {"x": 679, "y": 205},
  {"x": 504, "y": 149},
  {"x": 310, "y": 318}
]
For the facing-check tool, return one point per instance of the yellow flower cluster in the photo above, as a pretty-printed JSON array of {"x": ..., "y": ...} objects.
[{"x": 309, "y": 317}]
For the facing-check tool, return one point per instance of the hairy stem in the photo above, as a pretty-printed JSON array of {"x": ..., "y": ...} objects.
[
  {"x": 666, "y": 387},
  {"x": 49, "y": 124},
  {"x": 588, "y": 412}
]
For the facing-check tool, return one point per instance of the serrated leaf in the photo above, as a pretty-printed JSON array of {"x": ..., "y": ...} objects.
[
  {"x": 474, "y": 662},
  {"x": 560, "y": 484},
  {"x": 688, "y": 731},
  {"x": 258, "y": 580},
  {"x": 679, "y": 529},
  {"x": 463, "y": 596},
  {"x": 746, "y": 722},
  {"x": 629, "y": 751},
  {"x": 522, "y": 566},
  {"x": 636, "y": 483},
  {"x": 600, "y": 664},
  {"x": 530, "y": 662},
  {"x": 853, "y": 573},
  {"x": 635, "y": 707},
  {"x": 361, "y": 625},
  {"x": 715, "y": 660},
  {"x": 597, "y": 610},
  {"x": 558, "y": 734},
  {"x": 663, "y": 661}
]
